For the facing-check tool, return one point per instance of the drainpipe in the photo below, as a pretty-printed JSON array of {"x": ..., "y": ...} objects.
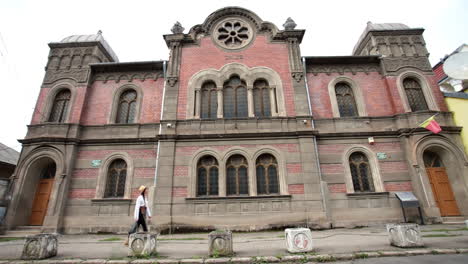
[
  {"x": 160, "y": 128},
  {"x": 322, "y": 191}
]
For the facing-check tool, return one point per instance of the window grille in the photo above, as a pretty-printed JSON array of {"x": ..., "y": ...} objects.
[
  {"x": 261, "y": 96},
  {"x": 415, "y": 95},
  {"x": 116, "y": 177},
  {"x": 127, "y": 107},
  {"x": 207, "y": 176},
  {"x": 237, "y": 176},
  {"x": 345, "y": 100},
  {"x": 267, "y": 175},
  {"x": 235, "y": 98},
  {"x": 361, "y": 173},
  {"x": 209, "y": 101},
  {"x": 60, "y": 107}
]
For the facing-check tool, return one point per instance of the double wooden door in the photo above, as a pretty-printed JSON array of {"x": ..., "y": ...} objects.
[
  {"x": 41, "y": 201},
  {"x": 442, "y": 190}
]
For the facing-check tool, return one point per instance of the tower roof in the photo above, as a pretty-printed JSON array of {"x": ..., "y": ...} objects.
[
  {"x": 379, "y": 27},
  {"x": 91, "y": 38}
]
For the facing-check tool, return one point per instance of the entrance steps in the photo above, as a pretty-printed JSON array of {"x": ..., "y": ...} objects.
[
  {"x": 23, "y": 231},
  {"x": 453, "y": 220}
]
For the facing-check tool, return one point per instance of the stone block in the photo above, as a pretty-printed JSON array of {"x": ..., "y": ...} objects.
[
  {"x": 466, "y": 223},
  {"x": 220, "y": 243},
  {"x": 142, "y": 243},
  {"x": 404, "y": 235},
  {"x": 298, "y": 240},
  {"x": 40, "y": 246}
]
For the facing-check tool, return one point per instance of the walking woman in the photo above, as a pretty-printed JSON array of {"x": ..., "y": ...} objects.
[{"x": 141, "y": 211}]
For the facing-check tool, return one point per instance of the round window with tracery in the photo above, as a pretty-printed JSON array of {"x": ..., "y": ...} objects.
[{"x": 232, "y": 33}]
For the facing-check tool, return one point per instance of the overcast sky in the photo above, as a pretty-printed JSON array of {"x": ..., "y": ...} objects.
[{"x": 134, "y": 30}]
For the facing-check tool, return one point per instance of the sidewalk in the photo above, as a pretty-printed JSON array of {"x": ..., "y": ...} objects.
[{"x": 181, "y": 247}]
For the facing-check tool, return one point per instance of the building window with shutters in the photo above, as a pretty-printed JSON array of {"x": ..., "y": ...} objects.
[
  {"x": 345, "y": 100},
  {"x": 207, "y": 176},
  {"x": 237, "y": 179},
  {"x": 60, "y": 107},
  {"x": 209, "y": 101},
  {"x": 116, "y": 178},
  {"x": 415, "y": 95},
  {"x": 126, "y": 111},
  {"x": 267, "y": 175},
  {"x": 235, "y": 98},
  {"x": 361, "y": 173},
  {"x": 261, "y": 98}
]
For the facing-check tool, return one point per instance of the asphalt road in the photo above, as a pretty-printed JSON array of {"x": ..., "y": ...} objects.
[{"x": 423, "y": 259}]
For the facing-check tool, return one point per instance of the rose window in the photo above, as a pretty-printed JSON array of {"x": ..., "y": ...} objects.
[{"x": 232, "y": 34}]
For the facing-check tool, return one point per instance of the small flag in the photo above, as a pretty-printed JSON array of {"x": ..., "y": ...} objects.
[{"x": 431, "y": 124}]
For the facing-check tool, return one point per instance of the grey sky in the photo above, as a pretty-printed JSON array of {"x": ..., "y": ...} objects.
[{"x": 134, "y": 30}]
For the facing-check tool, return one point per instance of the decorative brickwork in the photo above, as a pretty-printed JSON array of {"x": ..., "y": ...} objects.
[
  {"x": 179, "y": 192},
  {"x": 398, "y": 186},
  {"x": 296, "y": 188},
  {"x": 294, "y": 167},
  {"x": 181, "y": 171},
  {"x": 393, "y": 166},
  {"x": 144, "y": 172},
  {"x": 82, "y": 193},
  {"x": 134, "y": 153},
  {"x": 332, "y": 168},
  {"x": 85, "y": 173},
  {"x": 337, "y": 188}
]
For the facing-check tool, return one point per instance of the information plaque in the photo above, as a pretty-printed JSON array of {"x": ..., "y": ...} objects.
[{"x": 409, "y": 200}]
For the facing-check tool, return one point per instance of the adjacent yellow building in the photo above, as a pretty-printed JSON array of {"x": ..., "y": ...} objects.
[{"x": 458, "y": 104}]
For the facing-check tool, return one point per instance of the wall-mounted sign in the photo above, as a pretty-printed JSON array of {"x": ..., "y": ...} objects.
[
  {"x": 96, "y": 163},
  {"x": 381, "y": 155}
]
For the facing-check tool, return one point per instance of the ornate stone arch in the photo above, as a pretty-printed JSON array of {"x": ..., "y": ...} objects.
[
  {"x": 249, "y": 75},
  {"x": 50, "y": 98},
  {"x": 357, "y": 91},
  {"x": 282, "y": 172},
  {"x": 425, "y": 86},
  {"x": 27, "y": 179},
  {"x": 103, "y": 171},
  {"x": 373, "y": 163},
  {"x": 116, "y": 98},
  {"x": 455, "y": 162},
  {"x": 193, "y": 172}
]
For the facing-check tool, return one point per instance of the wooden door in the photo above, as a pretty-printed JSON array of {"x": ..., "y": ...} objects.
[
  {"x": 41, "y": 200},
  {"x": 443, "y": 191}
]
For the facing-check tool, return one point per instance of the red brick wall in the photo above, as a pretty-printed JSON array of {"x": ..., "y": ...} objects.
[
  {"x": 82, "y": 193},
  {"x": 337, "y": 188},
  {"x": 377, "y": 147},
  {"x": 261, "y": 53},
  {"x": 296, "y": 188},
  {"x": 381, "y": 95},
  {"x": 439, "y": 72},
  {"x": 179, "y": 191},
  {"x": 85, "y": 173},
  {"x": 398, "y": 186},
  {"x": 181, "y": 171},
  {"x": 188, "y": 151},
  {"x": 294, "y": 167},
  {"x": 101, "y": 95},
  {"x": 101, "y": 154}
]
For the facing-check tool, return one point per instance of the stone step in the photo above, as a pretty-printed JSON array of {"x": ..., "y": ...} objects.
[
  {"x": 453, "y": 220},
  {"x": 29, "y": 227},
  {"x": 21, "y": 233}
]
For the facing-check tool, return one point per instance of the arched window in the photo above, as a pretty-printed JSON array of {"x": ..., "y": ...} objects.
[
  {"x": 237, "y": 176},
  {"x": 415, "y": 95},
  {"x": 116, "y": 177},
  {"x": 127, "y": 107},
  {"x": 261, "y": 96},
  {"x": 361, "y": 172},
  {"x": 209, "y": 101},
  {"x": 267, "y": 175},
  {"x": 207, "y": 176},
  {"x": 432, "y": 160},
  {"x": 60, "y": 107},
  {"x": 345, "y": 99},
  {"x": 235, "y": 98}
]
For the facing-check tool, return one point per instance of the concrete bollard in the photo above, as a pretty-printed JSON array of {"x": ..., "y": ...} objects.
[
  {"x": 142, "y": 244},
  {"x": 404, "y": 235},
  {"x": 220, "y": 243},
  {"x": 298, "y": 240},
  {"x": 40, "y": 246}
]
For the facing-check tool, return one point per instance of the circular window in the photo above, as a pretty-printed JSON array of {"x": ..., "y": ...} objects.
[{"x": 232, "y": 33}]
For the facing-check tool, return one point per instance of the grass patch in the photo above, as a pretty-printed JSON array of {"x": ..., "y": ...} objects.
[
  {"x": 361, "y": 256},
  {"x": 441, "y": 235},
  {"x": 186, "y": 238},
  {"x": 6, "y": 239},
  {"x": 110, "y": 239},
  {"x": 446, "y": 230},
  {"x": 326, "y": 259}
]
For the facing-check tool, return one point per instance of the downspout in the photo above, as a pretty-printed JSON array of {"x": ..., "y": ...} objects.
[
  {"x": 322, "y": 191},
  {"x": 160, "y": 128}
]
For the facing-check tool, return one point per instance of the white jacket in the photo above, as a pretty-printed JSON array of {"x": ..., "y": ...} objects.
[{"x": 141, "y": 202}]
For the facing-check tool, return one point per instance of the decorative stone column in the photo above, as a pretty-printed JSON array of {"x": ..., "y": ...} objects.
[
  {"x": 220, "y": 111},
  {"x": 250, "y": 101},
  {"x": 142, "y": 244},
  {"x": 40, "y": 246},
  {"x": 220, "y": 243},
  {"x": 197, "y": 102},
  {"x": 404, "y": 235},
  {"x": 273, "y": 104},
  {"x": 298, "y": 240}
]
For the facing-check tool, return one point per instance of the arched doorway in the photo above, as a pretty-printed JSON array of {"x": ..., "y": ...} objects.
[
  {"x": 440, "y": 184},
  {"x": 44, "y": 188}
]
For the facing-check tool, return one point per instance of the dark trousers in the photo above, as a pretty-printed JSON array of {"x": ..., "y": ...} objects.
[{"x": 141, "y": 221}]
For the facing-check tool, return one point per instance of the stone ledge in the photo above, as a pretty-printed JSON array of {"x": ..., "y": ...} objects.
[{"x": 269, "y": 259}]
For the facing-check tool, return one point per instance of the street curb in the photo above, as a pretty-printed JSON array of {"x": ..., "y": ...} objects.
[{"x": 268, "y": 259}]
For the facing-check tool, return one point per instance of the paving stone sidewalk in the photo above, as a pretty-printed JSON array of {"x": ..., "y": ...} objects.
[{"x": 253, "y": 247}]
